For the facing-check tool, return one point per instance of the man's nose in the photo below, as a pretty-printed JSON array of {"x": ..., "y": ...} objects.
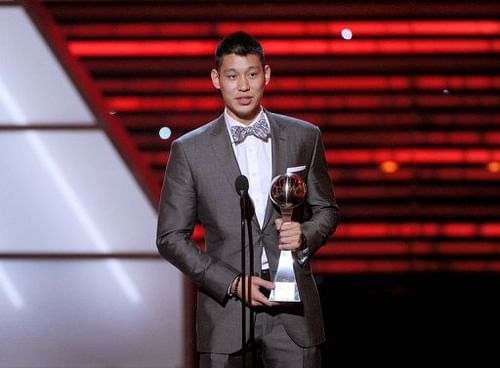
[{"x": 243, "y": 84}]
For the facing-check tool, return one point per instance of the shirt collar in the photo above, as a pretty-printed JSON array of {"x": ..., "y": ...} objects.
[{"x": 230, "y": 121}]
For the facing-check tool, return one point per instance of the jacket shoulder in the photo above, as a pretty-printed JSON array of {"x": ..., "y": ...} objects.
[
  {"x": 293, "y": 123},
  {"x": 197, "y": 135}
]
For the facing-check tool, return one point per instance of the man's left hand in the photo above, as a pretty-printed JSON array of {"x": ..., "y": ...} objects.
[{"x": 290, "y": 235}]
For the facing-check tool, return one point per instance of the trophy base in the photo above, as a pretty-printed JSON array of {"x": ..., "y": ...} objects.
[{"x": 285, "y": 292}]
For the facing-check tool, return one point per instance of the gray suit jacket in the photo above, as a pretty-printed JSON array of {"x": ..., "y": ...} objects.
[{"x": 199, "y": 186}]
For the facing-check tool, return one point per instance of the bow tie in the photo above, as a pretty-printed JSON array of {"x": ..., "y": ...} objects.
[{"x": 260, "y": 130}]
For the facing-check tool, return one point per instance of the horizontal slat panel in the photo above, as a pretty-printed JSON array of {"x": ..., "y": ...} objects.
[
  {"x": 409, "y": 109},
  {"x": 208, "y": 11},
  {"x": 180, "y": 48},
  {"x": 396, "y": 28}
]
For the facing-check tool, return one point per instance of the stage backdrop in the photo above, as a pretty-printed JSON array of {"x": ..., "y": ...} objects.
[{"x": 75, "y": 290}]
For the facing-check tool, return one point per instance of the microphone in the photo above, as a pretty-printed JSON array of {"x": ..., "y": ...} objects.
[{"x": 241, "y": 185}]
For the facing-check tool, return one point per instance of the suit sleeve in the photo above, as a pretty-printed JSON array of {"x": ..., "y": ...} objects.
[
  {"x": 321, "y": 199},
  {"x": 176, "y": 220}
]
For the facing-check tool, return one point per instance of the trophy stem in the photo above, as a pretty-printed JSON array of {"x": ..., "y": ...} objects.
[{"x": 286, "y": 214}]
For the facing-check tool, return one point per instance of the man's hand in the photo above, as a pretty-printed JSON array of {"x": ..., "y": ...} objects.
[
  {"x": 290, "y": 235},
  {"x": 257, "y": 298}
]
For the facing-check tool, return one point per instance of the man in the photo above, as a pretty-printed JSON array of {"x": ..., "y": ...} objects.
[{"x": 199, "y": 186}]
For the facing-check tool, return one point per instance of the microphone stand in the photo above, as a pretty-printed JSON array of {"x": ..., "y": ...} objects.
[
  {"x": 250, "y": 275},
  {"x": 242, "y": 280},
  {"x": 246, "y": 283},
  {"x": 246, "y": 288}
]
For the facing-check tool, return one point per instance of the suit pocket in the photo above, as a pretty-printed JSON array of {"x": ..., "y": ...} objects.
[{"x": 295, "y": 169}]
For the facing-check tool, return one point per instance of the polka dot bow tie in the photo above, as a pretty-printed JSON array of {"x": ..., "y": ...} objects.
[{"x": 260, "y": 130}]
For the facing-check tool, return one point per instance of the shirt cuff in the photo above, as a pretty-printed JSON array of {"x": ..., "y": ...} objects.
[
  {"x": 302, "y": 254},
  {"x": 229, "y": 293}
]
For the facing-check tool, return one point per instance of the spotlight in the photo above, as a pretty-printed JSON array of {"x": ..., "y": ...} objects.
[
  {"x": 493, "y": 166},
  {"x": 346, "y": 34},
  {"x": 389, "y": 167},
  {"x": 165, "y": 133}
]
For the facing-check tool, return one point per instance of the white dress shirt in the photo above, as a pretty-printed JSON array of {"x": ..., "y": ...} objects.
[{"x": 254, "y": 157}]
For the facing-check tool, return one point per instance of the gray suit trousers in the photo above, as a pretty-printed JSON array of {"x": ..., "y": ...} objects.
[{"x": 273, "y": 349}]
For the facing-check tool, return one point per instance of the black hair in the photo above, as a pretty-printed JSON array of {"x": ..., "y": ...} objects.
[{"x": 238, "y": 43}]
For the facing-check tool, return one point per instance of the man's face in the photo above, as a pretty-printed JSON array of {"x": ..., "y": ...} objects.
[{"x": 241, "y": 80}]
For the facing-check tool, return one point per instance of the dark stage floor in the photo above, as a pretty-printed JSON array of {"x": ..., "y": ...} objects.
[{"x": 415, "y": 320}]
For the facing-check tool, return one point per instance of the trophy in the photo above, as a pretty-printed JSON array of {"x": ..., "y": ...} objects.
[{"x": 287, "y": 192}]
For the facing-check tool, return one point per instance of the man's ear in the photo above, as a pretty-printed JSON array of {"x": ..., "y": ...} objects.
[
  {"x": 215, "y": 78},
  {"x": 267, "y": 73}
]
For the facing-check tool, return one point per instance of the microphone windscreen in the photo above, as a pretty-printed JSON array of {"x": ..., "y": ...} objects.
[{"x": 241, "y": 184}]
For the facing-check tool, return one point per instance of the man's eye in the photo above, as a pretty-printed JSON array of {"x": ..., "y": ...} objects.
[{"x": 231, "y": 76}]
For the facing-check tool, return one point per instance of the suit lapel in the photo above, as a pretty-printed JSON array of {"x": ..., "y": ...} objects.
[
  {"x": 224, "y": 154},
  {"x": 280, "y": 154}
]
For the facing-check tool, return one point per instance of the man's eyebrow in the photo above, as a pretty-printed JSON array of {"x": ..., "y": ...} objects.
[{"x": 233, "y": 70}]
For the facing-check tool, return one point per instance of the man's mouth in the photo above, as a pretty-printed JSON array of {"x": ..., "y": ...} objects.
[{"x": 244, "y": 100}]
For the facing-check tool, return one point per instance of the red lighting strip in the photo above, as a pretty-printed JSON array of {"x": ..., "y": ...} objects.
[
  {"x": 152, "y": 48},
  {"x": 292, "y": 29},
  {"x": 411, "y": 138},
  {"x": 138, "y": 30},
  {"x": 327, "y": 47},
  {"x": 391, "y": 248},
  {"x": 141, "y": 48},
  {"x": 325, "y": 83},
  {"x": 417, "y": 230},
  {"x": 457, "y": 82},
  {"x": 438, "y": 173},
  {"x": 314, "y": 102},
  {"x": 409, "y": 230},
  {"x": 479, "y": 120},
  {"x": 131, "y": 104},
  {"x": 389, "y": 266},
  {"x": 366, "y": 28},
  {"x": 400, "y": 119},
  {"x": 430, "y": 156},
  {"x": 158, "y": 85},
  {"x": 413, "y": 156},
  {"x": 399, "y": 190}
]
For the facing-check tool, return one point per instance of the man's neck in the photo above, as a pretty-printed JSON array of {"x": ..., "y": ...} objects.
[{"x": 246, "y": 122}]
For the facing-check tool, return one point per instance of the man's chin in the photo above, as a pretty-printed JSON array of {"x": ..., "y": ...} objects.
[{"x": 245, "y": 116}]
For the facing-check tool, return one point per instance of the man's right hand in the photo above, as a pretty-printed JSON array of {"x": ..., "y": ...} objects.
[{"x": 257, "y": 298}]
